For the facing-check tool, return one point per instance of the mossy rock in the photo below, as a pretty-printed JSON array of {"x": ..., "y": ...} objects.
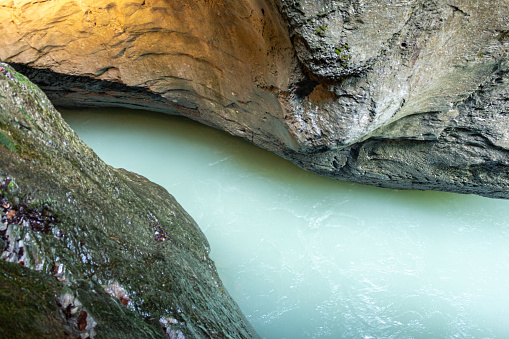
[{"x": 75, "y": 218}]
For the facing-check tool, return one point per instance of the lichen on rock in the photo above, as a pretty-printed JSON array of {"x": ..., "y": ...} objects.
[{"x": 91, "y": 234}]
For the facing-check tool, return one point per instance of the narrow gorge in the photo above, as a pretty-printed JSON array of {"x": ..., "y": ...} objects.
[{"x": 404, "y": 94}]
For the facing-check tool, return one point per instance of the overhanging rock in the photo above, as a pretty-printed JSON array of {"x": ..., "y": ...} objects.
[{"x": 410, "y": 94}]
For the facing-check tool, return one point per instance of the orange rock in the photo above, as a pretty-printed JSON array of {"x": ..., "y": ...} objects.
[
  {"x": 82, "y": 320},
  {"x": 10, "y": 215}
]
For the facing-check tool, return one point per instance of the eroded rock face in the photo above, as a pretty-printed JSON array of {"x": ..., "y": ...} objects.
[
  {"x": 218, "y": 62},
  {"x": 407, "y": 94},
  {"x": 413, "y": 91},
  {"x": 88, "y": 250}
]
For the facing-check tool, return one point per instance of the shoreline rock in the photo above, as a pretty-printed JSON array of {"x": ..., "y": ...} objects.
[{"x": 108, "y": 252}]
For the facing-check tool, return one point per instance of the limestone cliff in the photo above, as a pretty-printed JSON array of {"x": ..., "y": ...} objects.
[
  {"x": 88, "y": 250},
  {"x": 407, "y": 93}
]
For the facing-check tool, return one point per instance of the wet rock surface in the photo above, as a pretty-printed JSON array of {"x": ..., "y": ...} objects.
[
  {"x": 407, "y": 94},
  {"x": 93, "y": 251}
]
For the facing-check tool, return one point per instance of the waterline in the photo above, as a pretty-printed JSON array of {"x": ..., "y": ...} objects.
[{"x": 310, "y": 257}]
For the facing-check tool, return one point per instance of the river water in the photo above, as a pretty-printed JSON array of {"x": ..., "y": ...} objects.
[{"x": 310, "y": 257}]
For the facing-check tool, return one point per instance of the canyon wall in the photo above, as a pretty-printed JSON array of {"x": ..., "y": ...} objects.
[
  {"x": 406, "y": 94},
  {"x": 88, "y": 250}
]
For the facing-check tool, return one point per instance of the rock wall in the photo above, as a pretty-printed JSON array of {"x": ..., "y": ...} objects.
[
  {"x": 406, "y": 94},
  {"x": 214, "y": 61},
  {"x": 88, "y": 250}
]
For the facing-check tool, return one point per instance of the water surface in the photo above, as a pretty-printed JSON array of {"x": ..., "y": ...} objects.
[{"x": 310, "y": 257}]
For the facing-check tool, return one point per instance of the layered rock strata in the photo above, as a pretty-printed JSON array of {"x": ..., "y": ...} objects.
[
  {"x": 88, "y": 250},
  {"x": 407, "y": 94}
]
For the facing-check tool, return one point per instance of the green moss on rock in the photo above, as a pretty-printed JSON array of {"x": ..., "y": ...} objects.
[
  {"x": 102, "y": 228},
  {"x": 28, "y": 306},
  {"x": 7, "y": 142}
]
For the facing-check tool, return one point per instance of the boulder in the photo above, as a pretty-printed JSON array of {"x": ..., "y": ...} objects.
[
  {"x": 407, "y": 94},
  {"x": 88, "y": 250}
]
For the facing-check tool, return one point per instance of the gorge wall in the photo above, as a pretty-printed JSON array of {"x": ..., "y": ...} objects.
[
  {"x": 91, "y": 251},
  {"x": 407, "y": 94}
]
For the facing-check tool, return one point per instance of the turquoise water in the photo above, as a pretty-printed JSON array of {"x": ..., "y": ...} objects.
[{"x": 310, "y": 257}]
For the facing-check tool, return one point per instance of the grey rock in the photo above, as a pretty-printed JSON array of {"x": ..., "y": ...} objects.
[{"x": 406, "y": 93}]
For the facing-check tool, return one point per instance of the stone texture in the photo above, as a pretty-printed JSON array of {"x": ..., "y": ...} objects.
[
  {"x": 213, "y": 61},
  {"x": 89, "y": 250},
  {"x": 407, "y": 94}
]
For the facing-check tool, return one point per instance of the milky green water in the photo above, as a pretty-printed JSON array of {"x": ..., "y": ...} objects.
[{"x": 311, "y": 257}]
